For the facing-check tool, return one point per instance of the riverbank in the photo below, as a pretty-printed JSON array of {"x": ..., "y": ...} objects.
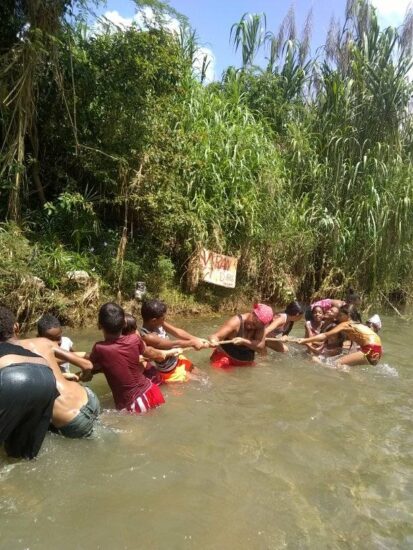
[
  {"x": 77, "y": 304},
  {"x": 41, "y": 275}
]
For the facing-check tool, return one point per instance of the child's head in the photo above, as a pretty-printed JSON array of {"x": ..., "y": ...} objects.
[
  {"x": 48, "y": 326},
  {"x": 374, "y": 323},
  {"x": 332, "y": 313},
  {"x": 348, "y": 312},
  {"x": 317, "y": 314},
  {"x": 111, "y": 318},
  {"x": 153, "y": 313},
  {"x": 130, "y": 324},
  {"x": 352, "y": 298},
  {"x": 294, "y": 311}
]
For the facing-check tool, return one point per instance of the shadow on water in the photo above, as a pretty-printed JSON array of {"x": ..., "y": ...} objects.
[{"x": 288, "y": 454}]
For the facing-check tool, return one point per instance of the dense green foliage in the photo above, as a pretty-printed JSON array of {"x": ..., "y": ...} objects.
[{"x": 117, "y": 159}]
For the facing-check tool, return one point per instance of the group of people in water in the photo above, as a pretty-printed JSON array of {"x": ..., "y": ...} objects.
[{"x": 39, "y": 393}]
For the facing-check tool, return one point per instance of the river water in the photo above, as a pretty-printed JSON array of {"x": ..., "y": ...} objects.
[{"x": 287, "y": 454}]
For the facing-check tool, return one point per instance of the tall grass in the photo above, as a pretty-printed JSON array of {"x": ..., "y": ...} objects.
[
  {"x": 301, "y": 167},
  {"x": 347, "y": 149}
]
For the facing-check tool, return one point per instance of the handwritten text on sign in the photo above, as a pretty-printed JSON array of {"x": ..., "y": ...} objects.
[{"x": 218, "y": 269}]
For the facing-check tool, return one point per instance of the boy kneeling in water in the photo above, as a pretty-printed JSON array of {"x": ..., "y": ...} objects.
[
  {"x": 154, "y": 332},
  {"x": 370, "y": 344},
  {"x": 247, "y": 334}
]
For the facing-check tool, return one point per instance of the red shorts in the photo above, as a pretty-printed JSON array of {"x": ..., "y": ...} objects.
[
  {"x": 180, "y": 372},
  {"x": 372, "y": 353},
  {"x": 148, "y": 400},
  {"x": 222, "y": 360}
]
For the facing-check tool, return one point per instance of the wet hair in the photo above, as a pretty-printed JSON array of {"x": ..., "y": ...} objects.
[
  {"x": 153, "y": 309},
  {"x": 351, "y": 296},
  {"x": 130, "y": 324},
  {"x": 294, "y": 309},
  {"x": 354, "y": 314},
  {"x": 351, "y": 312},
  {"x": 7, "y": 322},
  {"x": 345, "y": 310},
  {"x": 46, "y": 322},
  {"x": 111, "y": 318}
]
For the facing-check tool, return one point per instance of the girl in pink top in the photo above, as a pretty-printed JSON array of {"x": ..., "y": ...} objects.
[
  {"x": 314, "y": 324},
  {"x": 327, "y": 303}
]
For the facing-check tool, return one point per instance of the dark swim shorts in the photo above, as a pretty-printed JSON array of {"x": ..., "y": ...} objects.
[
  {"x": 83, "y": 424},
  {"x": 27, "y": 394}
]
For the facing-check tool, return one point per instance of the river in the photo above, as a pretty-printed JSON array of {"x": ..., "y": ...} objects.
[{"x": 287, "y": 454}]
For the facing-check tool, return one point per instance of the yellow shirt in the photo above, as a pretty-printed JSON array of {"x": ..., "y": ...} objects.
[{"x": 359, "y": 333}]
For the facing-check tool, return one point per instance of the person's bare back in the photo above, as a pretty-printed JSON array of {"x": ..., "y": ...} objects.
[{"x": 72, "y": 396}]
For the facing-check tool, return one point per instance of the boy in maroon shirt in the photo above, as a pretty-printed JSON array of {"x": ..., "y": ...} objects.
[{"x": 117, "y": 356}]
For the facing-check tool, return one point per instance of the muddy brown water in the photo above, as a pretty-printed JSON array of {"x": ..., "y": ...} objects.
[{"x": 286, "y": 454}]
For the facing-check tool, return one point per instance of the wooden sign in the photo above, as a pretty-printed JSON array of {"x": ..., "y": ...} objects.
[{"x": 218, "y": 269}]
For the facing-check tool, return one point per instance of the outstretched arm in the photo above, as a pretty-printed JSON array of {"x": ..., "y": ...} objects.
[
  {"x": 184, "y": 338},
  {"x": 157, "y": 354},
  {"x": 73, "y": 358},
  {"x": 258, "y": 344},
  {"x": 323, "y": 336},
  {"x": 158, "y": 342},
  {"x": 228, "y": 330},
  {"x": 275, "y": 323}
]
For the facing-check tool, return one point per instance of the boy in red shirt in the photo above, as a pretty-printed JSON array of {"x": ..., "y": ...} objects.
[{"x": 117, "y": 356}]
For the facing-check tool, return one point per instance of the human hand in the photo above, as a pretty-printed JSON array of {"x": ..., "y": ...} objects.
[
  {"x": 213, "y": 342},
  {"x": 199, "y": 343},
  {"x": 240, "y": 341},
  {"x": 159, "y": 357},
  {"x": 85, "y": 376},
  {"x": 71, "y": 376},
  {"x": 172, "y": 352}
]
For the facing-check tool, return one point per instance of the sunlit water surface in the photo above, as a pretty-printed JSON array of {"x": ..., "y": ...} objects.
[{"x": 287, "y": 454}]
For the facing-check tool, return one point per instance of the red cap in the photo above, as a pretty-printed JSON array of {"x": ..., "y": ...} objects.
[{"x": 264, "y": 313}]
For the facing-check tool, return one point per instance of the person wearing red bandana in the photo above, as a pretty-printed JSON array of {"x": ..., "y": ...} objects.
[{"x": 246, "y": 332}]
